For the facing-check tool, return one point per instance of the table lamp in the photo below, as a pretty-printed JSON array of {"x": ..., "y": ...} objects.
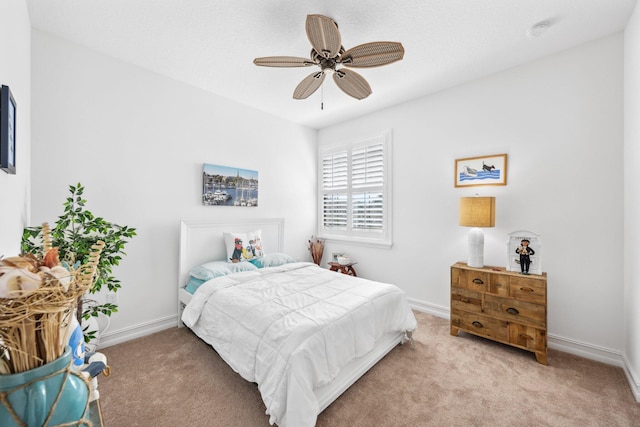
[{"x": 477, "y": 212}]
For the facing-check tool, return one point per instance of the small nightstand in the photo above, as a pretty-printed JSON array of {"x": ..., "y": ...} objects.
[{"x": 343, "y": 268}]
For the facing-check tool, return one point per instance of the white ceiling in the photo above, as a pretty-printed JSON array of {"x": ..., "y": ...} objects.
[{"x": 211, "y": 44}]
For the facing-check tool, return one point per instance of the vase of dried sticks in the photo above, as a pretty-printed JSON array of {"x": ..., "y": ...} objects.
[
  {"x": 317, "y": 249},
  {"x": 39, "y": 386}
]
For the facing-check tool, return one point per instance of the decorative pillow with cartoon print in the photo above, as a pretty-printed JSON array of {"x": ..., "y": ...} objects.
[{"x": 243, "y": 246}]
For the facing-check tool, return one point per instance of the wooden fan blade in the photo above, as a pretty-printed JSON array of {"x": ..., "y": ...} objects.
[
  {"x": 373, "y": 54},
  {"x": 352, "y": 83},
  {"x": 283, "y": 61},
  {"x": 308, "y": 85},
  {"x": 324, "y": 35}
]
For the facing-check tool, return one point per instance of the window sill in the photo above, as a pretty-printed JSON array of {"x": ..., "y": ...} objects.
[{"x": 361, "y": 241}]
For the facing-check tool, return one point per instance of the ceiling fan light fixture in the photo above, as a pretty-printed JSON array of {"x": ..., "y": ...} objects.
[{"x": 327, "y": 53}]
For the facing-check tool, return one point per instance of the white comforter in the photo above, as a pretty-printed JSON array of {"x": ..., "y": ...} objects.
[{"x": 292, "y": 328}]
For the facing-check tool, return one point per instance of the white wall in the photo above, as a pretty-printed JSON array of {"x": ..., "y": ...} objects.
[
  {"x": 632, "y": 200},
  {"x": 137, "y": 141},
  {"x": 15, "y": 70},
  {"x": 560, "y": 120}
]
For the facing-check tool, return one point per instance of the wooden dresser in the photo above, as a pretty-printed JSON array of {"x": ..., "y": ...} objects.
[{"x": 501, "y": 305}]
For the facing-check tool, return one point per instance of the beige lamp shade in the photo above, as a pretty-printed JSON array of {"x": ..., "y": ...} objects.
[{"x": 478, "y": 211}]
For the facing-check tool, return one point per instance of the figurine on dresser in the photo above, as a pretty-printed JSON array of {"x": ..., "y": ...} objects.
[{"x": 525, "y": 252}]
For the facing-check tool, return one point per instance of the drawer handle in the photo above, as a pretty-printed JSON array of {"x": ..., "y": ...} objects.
[
  {"x": 478, "y": 281},
  {"x": 512, "y": 310},
  {"x": 465, "y": 300},
  {"x": 525, "y": 337},
  {"x": 526, "y": 289},
  {"x": 477, "y": 324}
]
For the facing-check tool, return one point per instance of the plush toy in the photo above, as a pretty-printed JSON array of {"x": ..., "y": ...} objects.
[{"x": 94, "y": 364}]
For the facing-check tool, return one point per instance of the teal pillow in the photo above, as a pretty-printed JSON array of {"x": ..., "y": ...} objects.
[
  {"x": 211, "y": 270},
  {"x": 272, "y": 260},
  {"x": 193, "y": 284},
  {"x": 237, "y": 267}
]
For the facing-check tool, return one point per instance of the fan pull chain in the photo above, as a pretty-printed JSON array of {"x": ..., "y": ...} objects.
[{"x": 322, "y": 97}]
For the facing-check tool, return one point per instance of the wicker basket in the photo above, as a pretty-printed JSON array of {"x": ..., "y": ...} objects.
[{"x": 35, "y": 323}]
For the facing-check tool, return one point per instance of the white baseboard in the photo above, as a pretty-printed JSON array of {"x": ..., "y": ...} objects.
[
  {"x": 582, "y": 349},
  {"x": 426, "y": 307},
  {"x": 589, "y": 351},
  {"x": 600, "y": 354},
  {"x": 137, "y": 331},
  {"x": 632, "y": 378}
]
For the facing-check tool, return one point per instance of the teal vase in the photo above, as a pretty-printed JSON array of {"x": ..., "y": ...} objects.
[{"x": 49, "y": 395}]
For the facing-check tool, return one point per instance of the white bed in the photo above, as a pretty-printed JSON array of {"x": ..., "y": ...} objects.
[{"x": 202, "y": 241}]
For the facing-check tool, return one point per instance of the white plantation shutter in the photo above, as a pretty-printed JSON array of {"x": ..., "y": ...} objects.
[
  {"x": 367, "y": 211},
  {"x": 367, "y": 166},
  {"x": 355, "y": 191},
  {"x": 335, "y": 181},
  {"x": 335, "y": 211},
  {"x": 335, "y": 171},
  {"x": 367, "y": 175}
]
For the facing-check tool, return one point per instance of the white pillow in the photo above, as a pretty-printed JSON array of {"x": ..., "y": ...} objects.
[{"x": 243, "y": 246}]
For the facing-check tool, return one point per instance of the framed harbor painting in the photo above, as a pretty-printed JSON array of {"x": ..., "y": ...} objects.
[
  {"x": 483, "y": 170},
  {"x": 229, "y": 186}
]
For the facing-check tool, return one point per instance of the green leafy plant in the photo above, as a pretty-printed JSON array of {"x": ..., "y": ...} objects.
[{"x": 75, "y": 231}]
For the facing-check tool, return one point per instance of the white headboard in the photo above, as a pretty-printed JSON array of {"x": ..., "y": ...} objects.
[{"x": 202, "y": 241}]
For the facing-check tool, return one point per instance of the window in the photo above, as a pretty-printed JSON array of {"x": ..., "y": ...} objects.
[{"x": 355, "y": 191}]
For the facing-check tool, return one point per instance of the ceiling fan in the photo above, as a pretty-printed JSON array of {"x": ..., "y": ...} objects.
[{"x": 327, "y": 53}]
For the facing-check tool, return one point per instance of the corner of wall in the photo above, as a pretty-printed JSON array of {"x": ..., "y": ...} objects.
[{"x": 632, "y": 378}]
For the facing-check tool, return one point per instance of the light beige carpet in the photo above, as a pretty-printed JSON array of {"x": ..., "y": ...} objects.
[{"x": 172, "y": 378}]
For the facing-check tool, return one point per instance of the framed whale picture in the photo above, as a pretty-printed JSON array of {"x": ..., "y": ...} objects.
[{"x": 483, "y": 170}]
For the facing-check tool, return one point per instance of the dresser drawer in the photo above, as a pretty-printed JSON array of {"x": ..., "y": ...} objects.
[
  {"x": 528, "y": 337},
  {"x": 499, "y": 284},
  {"x": 469, "y": 279},
  {"x": 462, "y": 299},
  {"x": 516, "y": 311},
  {"x": 527, "y": 289},
  {"x": 480, "y": 325}
]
